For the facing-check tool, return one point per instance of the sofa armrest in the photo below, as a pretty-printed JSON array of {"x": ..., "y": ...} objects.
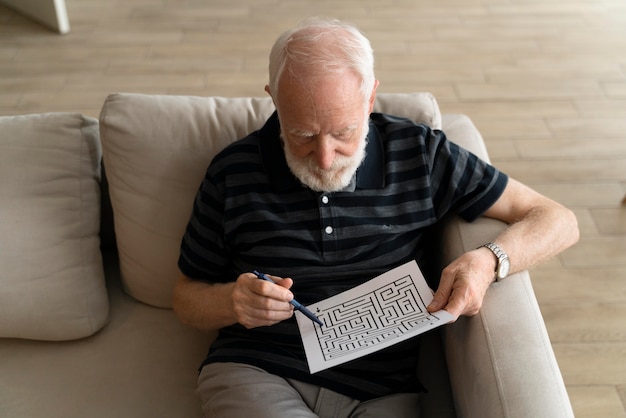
[{"x": 500, "y": 361}]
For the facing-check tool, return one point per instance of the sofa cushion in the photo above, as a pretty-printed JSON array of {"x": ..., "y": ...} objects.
[
  {"x": 51, "y": 277},
  {"x": 156, "y": 151}
]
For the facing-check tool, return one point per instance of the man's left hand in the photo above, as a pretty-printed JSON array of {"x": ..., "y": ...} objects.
[{"x": 464, "y": 283}]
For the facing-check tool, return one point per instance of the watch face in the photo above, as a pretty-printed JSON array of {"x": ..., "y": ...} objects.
[{"x": 503, "y": 269}]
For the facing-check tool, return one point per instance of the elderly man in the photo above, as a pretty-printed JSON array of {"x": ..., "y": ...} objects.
[{"x": 324, "y": 197}]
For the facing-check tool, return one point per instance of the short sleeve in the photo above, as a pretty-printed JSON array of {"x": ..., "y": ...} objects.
[
  {"x": 202, "y": 254},
  {"x": 461, "y": 181}
]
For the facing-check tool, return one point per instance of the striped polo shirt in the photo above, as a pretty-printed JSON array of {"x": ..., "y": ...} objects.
[{"x": 251, "y": 213}]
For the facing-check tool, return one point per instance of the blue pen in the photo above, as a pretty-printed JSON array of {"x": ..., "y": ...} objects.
[{"x": 297, "y": 305}]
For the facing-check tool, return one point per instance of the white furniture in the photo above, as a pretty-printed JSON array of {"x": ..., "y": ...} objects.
[
  {"x": 50, "y": 13},
  {"x": 142, "y": 362}
]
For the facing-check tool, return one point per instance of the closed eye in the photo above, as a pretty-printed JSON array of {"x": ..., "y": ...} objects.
[
  {"x": 345, "y": 133},
  {"x": 302, "y": 137}
]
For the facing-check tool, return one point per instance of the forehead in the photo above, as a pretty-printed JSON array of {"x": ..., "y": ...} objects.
[{"x": 307, "y": 100}]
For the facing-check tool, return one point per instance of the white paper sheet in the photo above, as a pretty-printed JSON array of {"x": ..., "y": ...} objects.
[{"x": 377, "y": 314}]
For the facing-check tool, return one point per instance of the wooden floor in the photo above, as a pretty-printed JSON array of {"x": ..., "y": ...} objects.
[{"x": 544, "y": 80}]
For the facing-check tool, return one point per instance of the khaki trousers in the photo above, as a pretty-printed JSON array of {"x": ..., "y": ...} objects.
[{"x": 233, "y": 390}]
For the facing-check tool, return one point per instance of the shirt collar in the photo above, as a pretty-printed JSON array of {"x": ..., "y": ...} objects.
[{"x": 370, "y": 175}]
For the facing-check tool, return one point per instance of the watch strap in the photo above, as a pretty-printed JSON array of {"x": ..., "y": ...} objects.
[{"x": 501, "y": 257}]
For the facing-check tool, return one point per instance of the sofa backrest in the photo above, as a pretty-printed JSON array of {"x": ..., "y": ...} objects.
[{"x": 156, "y": 150}]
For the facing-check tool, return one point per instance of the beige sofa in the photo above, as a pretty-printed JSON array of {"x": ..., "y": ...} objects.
[{"x": 85, "y": 321}]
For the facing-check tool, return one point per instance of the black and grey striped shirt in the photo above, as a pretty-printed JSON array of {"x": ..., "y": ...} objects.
[{"x": 251, "y": 213}]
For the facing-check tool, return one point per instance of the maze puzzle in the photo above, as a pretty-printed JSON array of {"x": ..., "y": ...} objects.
[{"x": 383, "y": 314}]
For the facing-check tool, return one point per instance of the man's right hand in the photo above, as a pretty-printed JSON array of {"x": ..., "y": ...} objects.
[
  {"x": 248, "y": 301},
  {"x": 257, "y": 303}
]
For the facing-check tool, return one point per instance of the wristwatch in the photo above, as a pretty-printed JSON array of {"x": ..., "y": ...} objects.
[{"x": 504, "y": 265}]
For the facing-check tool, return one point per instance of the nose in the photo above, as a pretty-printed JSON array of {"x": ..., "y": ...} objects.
[{"x": 325, "y": 152}]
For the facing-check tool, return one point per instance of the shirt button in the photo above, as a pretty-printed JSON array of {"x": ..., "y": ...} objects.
[
  {"x": 325, "y": 200},
  {"x": 329, "y": 230}
]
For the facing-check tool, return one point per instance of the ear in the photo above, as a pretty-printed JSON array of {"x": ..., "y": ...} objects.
[
  {"x": 267, "y": 89},
  {"x": 373, "y": 96}
]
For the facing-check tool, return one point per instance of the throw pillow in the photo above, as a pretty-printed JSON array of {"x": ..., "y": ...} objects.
[{"x": 51, "y": 276}]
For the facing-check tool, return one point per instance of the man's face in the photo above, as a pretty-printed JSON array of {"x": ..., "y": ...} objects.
[{"x": 324, "y": 124}]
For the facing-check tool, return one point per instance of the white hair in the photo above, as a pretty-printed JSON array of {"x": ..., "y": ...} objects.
[{"x": 328, "y": 44}]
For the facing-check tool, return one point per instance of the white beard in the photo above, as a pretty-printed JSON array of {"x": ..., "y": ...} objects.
[{"x": 336, "y": 178}]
